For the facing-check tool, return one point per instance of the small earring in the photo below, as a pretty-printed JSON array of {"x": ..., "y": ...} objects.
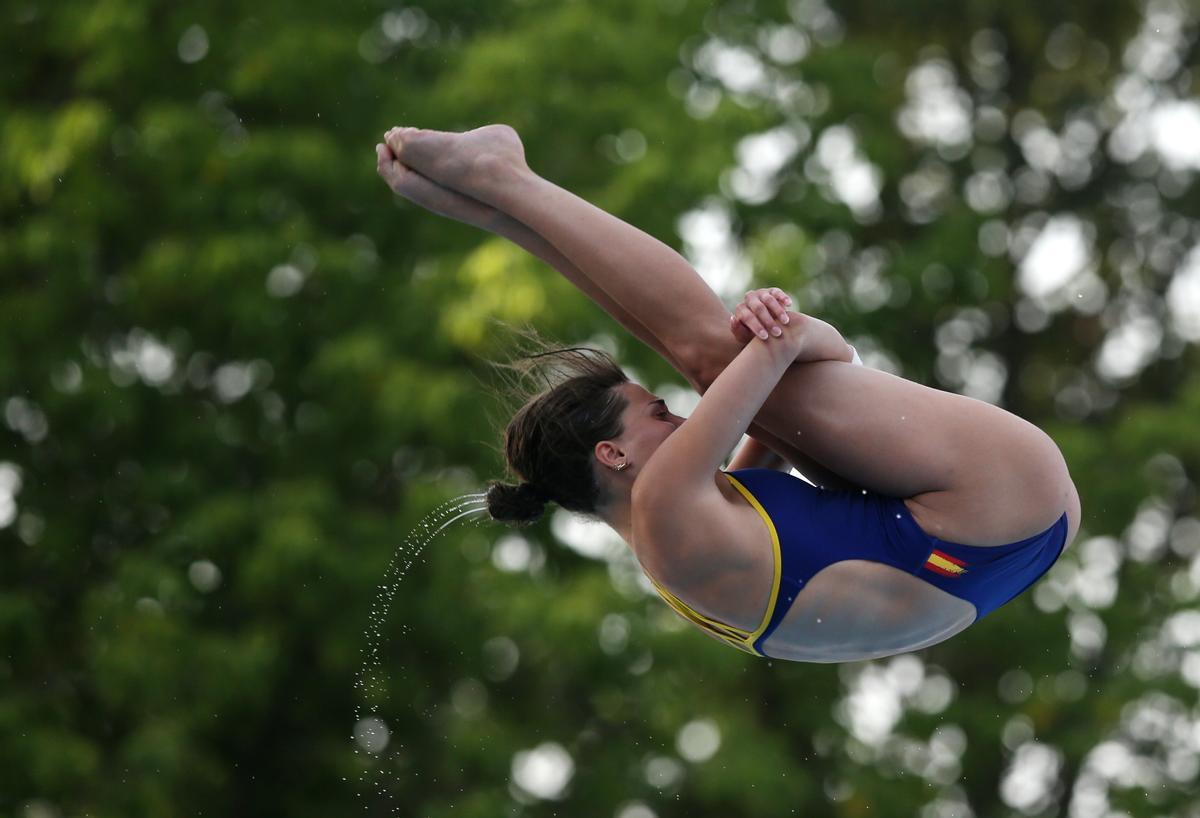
[{"x": 623, "y": 465}]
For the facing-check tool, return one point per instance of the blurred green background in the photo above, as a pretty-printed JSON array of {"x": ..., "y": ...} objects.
[{"x": 236, "y": 373}]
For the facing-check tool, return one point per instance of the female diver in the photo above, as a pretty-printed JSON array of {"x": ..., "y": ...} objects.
[{"x": 931, "y": 509}]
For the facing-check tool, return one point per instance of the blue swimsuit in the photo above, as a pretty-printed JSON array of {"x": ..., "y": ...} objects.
[{"x": 812, "y": 528}]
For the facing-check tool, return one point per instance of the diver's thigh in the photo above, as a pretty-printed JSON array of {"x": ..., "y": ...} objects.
[{"x": 899, "y": 438}]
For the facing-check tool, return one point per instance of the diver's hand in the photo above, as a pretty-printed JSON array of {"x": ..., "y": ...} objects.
[{"x": 761, "y": 313}]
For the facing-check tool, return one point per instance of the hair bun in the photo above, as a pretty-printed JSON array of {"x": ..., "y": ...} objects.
[
  {"x": 520, "y": 504},
  {"x": 534, "y": 493}
]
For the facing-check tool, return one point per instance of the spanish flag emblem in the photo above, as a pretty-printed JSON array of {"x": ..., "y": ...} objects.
[{"x": 945, "y": 564}]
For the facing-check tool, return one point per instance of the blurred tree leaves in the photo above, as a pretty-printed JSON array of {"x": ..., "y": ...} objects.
[{"x": 236, "y": 373}]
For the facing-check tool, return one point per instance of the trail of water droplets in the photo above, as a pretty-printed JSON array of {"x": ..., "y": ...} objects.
[{"x": 370, "y": 681}]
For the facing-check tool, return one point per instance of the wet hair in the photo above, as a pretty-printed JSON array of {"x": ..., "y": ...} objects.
[{"x": 569, "y": 403}]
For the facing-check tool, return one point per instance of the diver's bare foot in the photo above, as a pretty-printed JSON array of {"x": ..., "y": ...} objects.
[
  {"x": 419, "y": 190},
  {"x": 477, "y": 163}
]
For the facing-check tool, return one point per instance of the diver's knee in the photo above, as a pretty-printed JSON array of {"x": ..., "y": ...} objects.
[{"x": 706, "y": 358}]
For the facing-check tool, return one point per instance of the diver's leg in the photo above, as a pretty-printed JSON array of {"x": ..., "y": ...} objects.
[
  {"x": 974, "y": 473},
  {"x": 451, "y": 204},
  {"x": 640, "y": 273}
]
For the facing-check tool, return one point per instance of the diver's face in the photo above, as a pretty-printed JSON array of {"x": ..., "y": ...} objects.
[{"x": 648, "y": 422}]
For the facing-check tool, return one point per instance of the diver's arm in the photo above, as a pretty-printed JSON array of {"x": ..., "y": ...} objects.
[{"x": 690, "y": 456}]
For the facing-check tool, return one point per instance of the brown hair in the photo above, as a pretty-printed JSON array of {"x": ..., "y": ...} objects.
[{"x": 569, "y": 403}]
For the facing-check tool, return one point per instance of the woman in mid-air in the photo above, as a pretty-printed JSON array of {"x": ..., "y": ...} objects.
[{"x": 930, "y": 509}]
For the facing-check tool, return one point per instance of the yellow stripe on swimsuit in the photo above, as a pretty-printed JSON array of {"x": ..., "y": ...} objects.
[{"x": 737, "y": 637}]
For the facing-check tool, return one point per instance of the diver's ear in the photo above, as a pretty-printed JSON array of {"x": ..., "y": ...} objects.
[{"x": 608, "y": 454}]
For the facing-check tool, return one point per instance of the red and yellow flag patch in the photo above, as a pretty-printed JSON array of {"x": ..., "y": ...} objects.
[{"x": 945, "y": 564}]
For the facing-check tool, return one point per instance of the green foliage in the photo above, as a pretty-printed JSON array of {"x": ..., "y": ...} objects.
[{"x": 236, "y": 372}]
